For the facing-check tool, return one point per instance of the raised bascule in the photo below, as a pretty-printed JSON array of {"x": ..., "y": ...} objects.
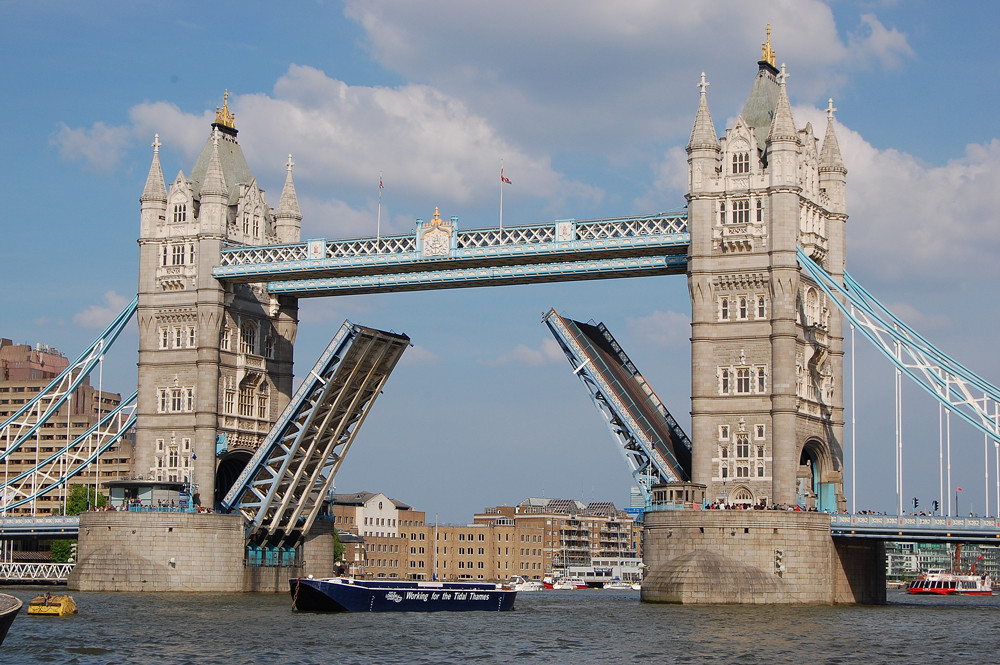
[{"x": 762, "y": 242}]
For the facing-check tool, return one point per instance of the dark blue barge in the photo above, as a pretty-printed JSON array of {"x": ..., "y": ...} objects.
[{"x": 344, "y": 594}]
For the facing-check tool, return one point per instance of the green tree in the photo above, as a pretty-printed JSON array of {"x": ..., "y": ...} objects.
[
  {"x": 338, "y": 547},
  {"x": 61, "y": 550},
  {"x": 81, "y": 498}
]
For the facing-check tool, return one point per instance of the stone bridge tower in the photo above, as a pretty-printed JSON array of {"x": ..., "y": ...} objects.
[
  {"x": 215, "y": 361},
  {"x": 767, "y": 345}
]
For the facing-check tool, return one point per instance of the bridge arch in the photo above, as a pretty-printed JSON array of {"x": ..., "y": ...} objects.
[
  {"x": 815, "y": 487},
  {"x": 231, "y": 465},
  {"x": 742, "y": 496}
]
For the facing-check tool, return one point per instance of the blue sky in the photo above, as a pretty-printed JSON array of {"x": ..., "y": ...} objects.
[{"x": 589, "y": 104}]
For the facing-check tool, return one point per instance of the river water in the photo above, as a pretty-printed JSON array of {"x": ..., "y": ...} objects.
[{"x": 575, "y": 627}]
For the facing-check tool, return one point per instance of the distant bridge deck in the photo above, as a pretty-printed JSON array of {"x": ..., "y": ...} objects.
[
  {"x": 902, "y": 528},
  {"x": 911, "y": 528},
  {"x": 59, "y": 525}
]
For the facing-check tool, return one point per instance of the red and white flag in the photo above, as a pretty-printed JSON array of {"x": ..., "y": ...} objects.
[{"x": 504, "y": 178}]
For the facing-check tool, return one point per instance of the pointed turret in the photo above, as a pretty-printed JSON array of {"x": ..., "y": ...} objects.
[
  {"x": 703, "y": 133},
  {"x": 830, "y": 159},
  {"x": 782, "y": 125},
  {"x": 288, "y": 219},
  {"x": 214, "y": 193},
  {"x": 156, "y": 188},
  {"x": 153, "y": 201}
]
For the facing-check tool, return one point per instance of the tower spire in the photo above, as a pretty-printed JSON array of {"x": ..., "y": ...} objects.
[
  {"x": 703, "y": 133},
  {"x": 830, "y": 159},
  {"x": 156, "y": 188},
  {"x": 288, "y": 218},
  {"x": 783, "y": 125}
]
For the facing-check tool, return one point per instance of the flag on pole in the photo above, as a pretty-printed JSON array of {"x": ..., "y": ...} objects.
[
  {"x": 380, "y": 185},
  {"x": 504, "y": 178}
]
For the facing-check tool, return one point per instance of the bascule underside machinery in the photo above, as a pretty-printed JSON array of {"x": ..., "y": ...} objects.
[
  {"x": 281, "y": 491},
  {"x": 655, "y": 447}
]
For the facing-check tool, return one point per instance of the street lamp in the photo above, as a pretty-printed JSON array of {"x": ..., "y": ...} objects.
[{"x": 957, "y": 512}]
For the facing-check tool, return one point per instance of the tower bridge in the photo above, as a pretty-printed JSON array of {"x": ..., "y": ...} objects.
[{"x": 221, "y": 272}]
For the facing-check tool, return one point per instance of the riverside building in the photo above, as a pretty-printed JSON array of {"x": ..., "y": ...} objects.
[{"x": 538, "y": 537}]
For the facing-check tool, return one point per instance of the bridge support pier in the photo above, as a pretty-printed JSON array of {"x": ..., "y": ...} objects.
[
  {"x": 189, "y": 552},
  {"x": 757, "y": 557}
]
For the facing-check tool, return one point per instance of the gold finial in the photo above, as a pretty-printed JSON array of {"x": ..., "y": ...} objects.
[
  {"x": 766, "y": 52},
  {"x": 437, "y": 216},
  {"x": 223, "y": 116}
]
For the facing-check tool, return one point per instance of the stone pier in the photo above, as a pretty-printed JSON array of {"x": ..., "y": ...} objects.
[
  {"x": 757, "y": 557},
  {"x": 186, "y": 552}
]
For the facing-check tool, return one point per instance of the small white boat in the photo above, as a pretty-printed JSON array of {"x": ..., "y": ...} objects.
[
  {"x": 570, "y": 583},
  {"x": 519, "y": 583},
  {"x": 617, "y": 584}
]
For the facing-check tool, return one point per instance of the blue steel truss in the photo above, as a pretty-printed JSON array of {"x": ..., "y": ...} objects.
[
  {"x": 53, "y": 472},
  {"x": 654, "y": 446},
  {"x": 21, "y": 426},
  {"x": 946, "y": 380},
  {"x": 282, "y": 489},
  {"x": 25, "y": 425},
  {"x": 439, "y": 255}
]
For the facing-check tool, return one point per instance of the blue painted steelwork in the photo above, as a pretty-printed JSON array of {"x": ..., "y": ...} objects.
[
  {"x": 283, "y": 487},
  {"x": 21, "y": 426},
  {"x": 54, "y": 471},
  {"x": 924, "y": 528},
  {"x": 439, "y": 255},
  {"x": 655, "y": 447},
  {"x": 962, "y": 391},
  {"x": 63, "y": 525}
]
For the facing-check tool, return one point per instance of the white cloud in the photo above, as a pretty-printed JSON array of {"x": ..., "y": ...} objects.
[
  {"x": 549, "y": 353},
  {"x": 663, "y": 329},
  {"x": 419, "y": 355},
  {"x": 99, "y": 316},
  {"x": 100, "y": 147},
  {"x": 574, "y": 84},
  {"x": 908, "y": 219},
  {"x": 873, "y": 43}
]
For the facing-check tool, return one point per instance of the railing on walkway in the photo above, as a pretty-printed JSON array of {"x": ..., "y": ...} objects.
[
  {"x": 63, "y": 525},
  {"x": 916, "y": 527},
  {"x": 34, "y": 572}
]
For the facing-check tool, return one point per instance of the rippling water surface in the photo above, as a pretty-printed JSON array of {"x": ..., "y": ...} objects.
[{"x": 575, "y": 627}]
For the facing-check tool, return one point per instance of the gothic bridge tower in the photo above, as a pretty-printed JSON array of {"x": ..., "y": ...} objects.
[
  {"x": 215, "y": 361},
  {"x": 766, "y": 345}
]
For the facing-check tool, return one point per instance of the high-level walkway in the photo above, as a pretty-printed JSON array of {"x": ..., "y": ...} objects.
[{"x": 438, "y": 255}]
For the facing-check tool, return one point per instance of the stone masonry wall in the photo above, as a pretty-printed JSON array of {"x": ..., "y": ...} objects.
[
  {"x": 131, "y": 551},
  {"x": 754, "y": 557}
]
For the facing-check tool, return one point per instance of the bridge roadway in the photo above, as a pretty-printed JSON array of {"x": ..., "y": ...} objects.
[{"x": 438, "y": 255}]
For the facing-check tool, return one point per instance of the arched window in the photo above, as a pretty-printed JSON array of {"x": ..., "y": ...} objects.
[
  {"x": 741, "y": 211},
  {"x": 725, "y": 309},
  {"x": 741, "y": 162},
  {"x": 812, "y": 307},
  {"x": 248, "y": 338},
  {"x": 761, "y": 309},
  {"x": 743, "y": 380},
  {"x": 725, "y": 382},
  {"x": 743, "y": 307}
]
